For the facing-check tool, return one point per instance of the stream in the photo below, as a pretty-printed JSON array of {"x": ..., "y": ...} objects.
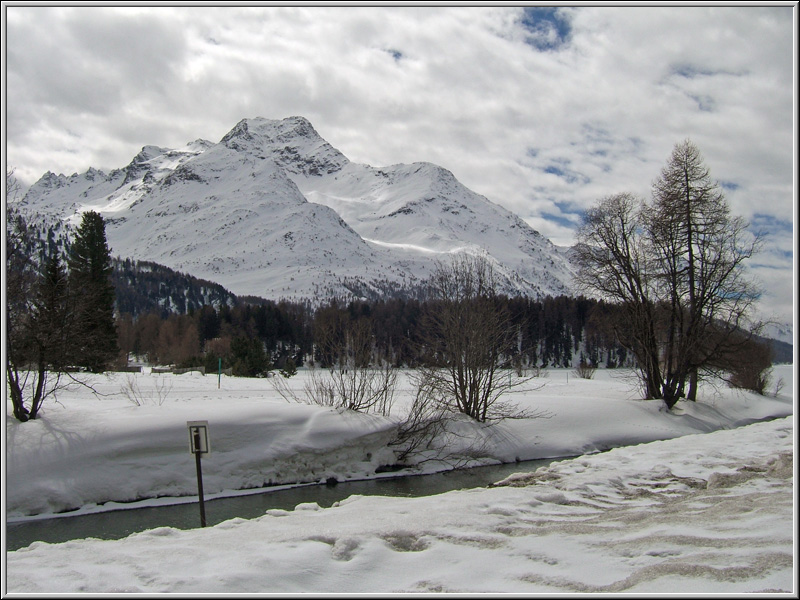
[{"x": 116, "y": 524}]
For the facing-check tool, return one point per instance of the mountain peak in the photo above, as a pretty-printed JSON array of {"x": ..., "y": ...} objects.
[
  {"x": 271, "y": 130},
  {"x": 292, "y": 143},
  {"x": 198, "y": 145},
  {"x": 287, "y": 129},
  {"x": 51, "y": 180}
]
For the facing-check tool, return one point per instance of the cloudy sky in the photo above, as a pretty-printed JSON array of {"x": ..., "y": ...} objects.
[{"x": 543, "y": 110}]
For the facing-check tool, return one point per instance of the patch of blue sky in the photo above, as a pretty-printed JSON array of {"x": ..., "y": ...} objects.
[
  {"x": 561, "y": 220},
  {"x": 761, "y": 221},
  {"x": 566, "y": 174},
  {"x": 637, "y": 143},
  {"x": 547, "y": 28},
  {"x": 781, "y": 260},
  {"x": 597, "y": 140},
  {"x": 395, "y": 54},
  {"x": 729, "y": 185},
  {"x": 568, "y": 208},
  {"x": 596, "y": 133},
  {"x": 743, "y": 295},
  {"x": 690, "y": 71},
  {"x": 704, "y": 103}
]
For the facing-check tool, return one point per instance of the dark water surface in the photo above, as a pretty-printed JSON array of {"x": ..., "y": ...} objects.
[{"x": 121, "y": 523}]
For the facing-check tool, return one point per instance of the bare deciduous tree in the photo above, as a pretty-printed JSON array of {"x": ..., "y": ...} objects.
[
  {"x": 467, "y": 337},
  {"x": 677, "y": 266},
  {"x": 421, "y": 427},
  {"x": 160, "y": 388},
  {"x": 614, "y": 263},
  {"x": 357, "y": 379},
  {"x": 585, "y": 371}
]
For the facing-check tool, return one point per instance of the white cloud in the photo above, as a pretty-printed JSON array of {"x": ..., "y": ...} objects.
[{"x": 544, "y": 131}]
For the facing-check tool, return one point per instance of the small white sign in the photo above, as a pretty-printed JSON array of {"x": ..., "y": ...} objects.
[{"x": 198, "y": 437}]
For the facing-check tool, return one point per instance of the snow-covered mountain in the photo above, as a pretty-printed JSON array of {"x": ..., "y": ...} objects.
[
  {"x": 273, "y": 210},
  {"x": 783, "y": 332}
]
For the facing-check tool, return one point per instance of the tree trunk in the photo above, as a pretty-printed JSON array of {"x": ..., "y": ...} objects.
[
  {"x": 671, "y": 400},
  {"x": 20, "y": 412},
  {"x": 692, "y": 393},
  {"x": 36, "y": 401}
]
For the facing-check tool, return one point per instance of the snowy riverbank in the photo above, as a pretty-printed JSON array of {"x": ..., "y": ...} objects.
[
  {"x": 706, "y": 513},
  {"x": 92, "y": 449}
]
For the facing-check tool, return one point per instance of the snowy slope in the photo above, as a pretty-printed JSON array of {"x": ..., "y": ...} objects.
[
  {"x": 419, "y": 211},
  {"x": 62, "y": 196},
  {"x": 422, "y": 209},
  {"x": 783, "y": 332},
  {"x": 275, "y": 210},
  {"x": 232, "y": 217}
]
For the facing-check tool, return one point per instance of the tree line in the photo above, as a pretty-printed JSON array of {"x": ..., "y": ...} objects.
[
  {"x": 253, "y": 339},
  {"x": 144, "y": 287}
]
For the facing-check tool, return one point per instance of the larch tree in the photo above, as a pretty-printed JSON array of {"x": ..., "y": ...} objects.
[{"x": 700, "y": 250}]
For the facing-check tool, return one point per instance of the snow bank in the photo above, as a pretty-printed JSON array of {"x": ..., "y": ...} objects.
[
  {"x": 707, "y": 513},
  {"x": 95, "y": 449}
]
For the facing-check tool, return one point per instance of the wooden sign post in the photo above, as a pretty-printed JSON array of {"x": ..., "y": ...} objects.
[{"x": 199, "y": 445}]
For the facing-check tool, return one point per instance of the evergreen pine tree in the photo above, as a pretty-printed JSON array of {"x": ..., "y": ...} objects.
[
  {"x": 52, "y": 313},
  {"x": 290, "y": 368},
  {"x": 90, "y": 279},
  {"x": 49, "y": 331}
]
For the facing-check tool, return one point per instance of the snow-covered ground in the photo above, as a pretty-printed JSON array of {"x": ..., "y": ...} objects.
[{"x": 696, "y": 514}]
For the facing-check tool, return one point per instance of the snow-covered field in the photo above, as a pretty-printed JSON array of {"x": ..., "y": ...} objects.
[{"x": 708, "y": 513}]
